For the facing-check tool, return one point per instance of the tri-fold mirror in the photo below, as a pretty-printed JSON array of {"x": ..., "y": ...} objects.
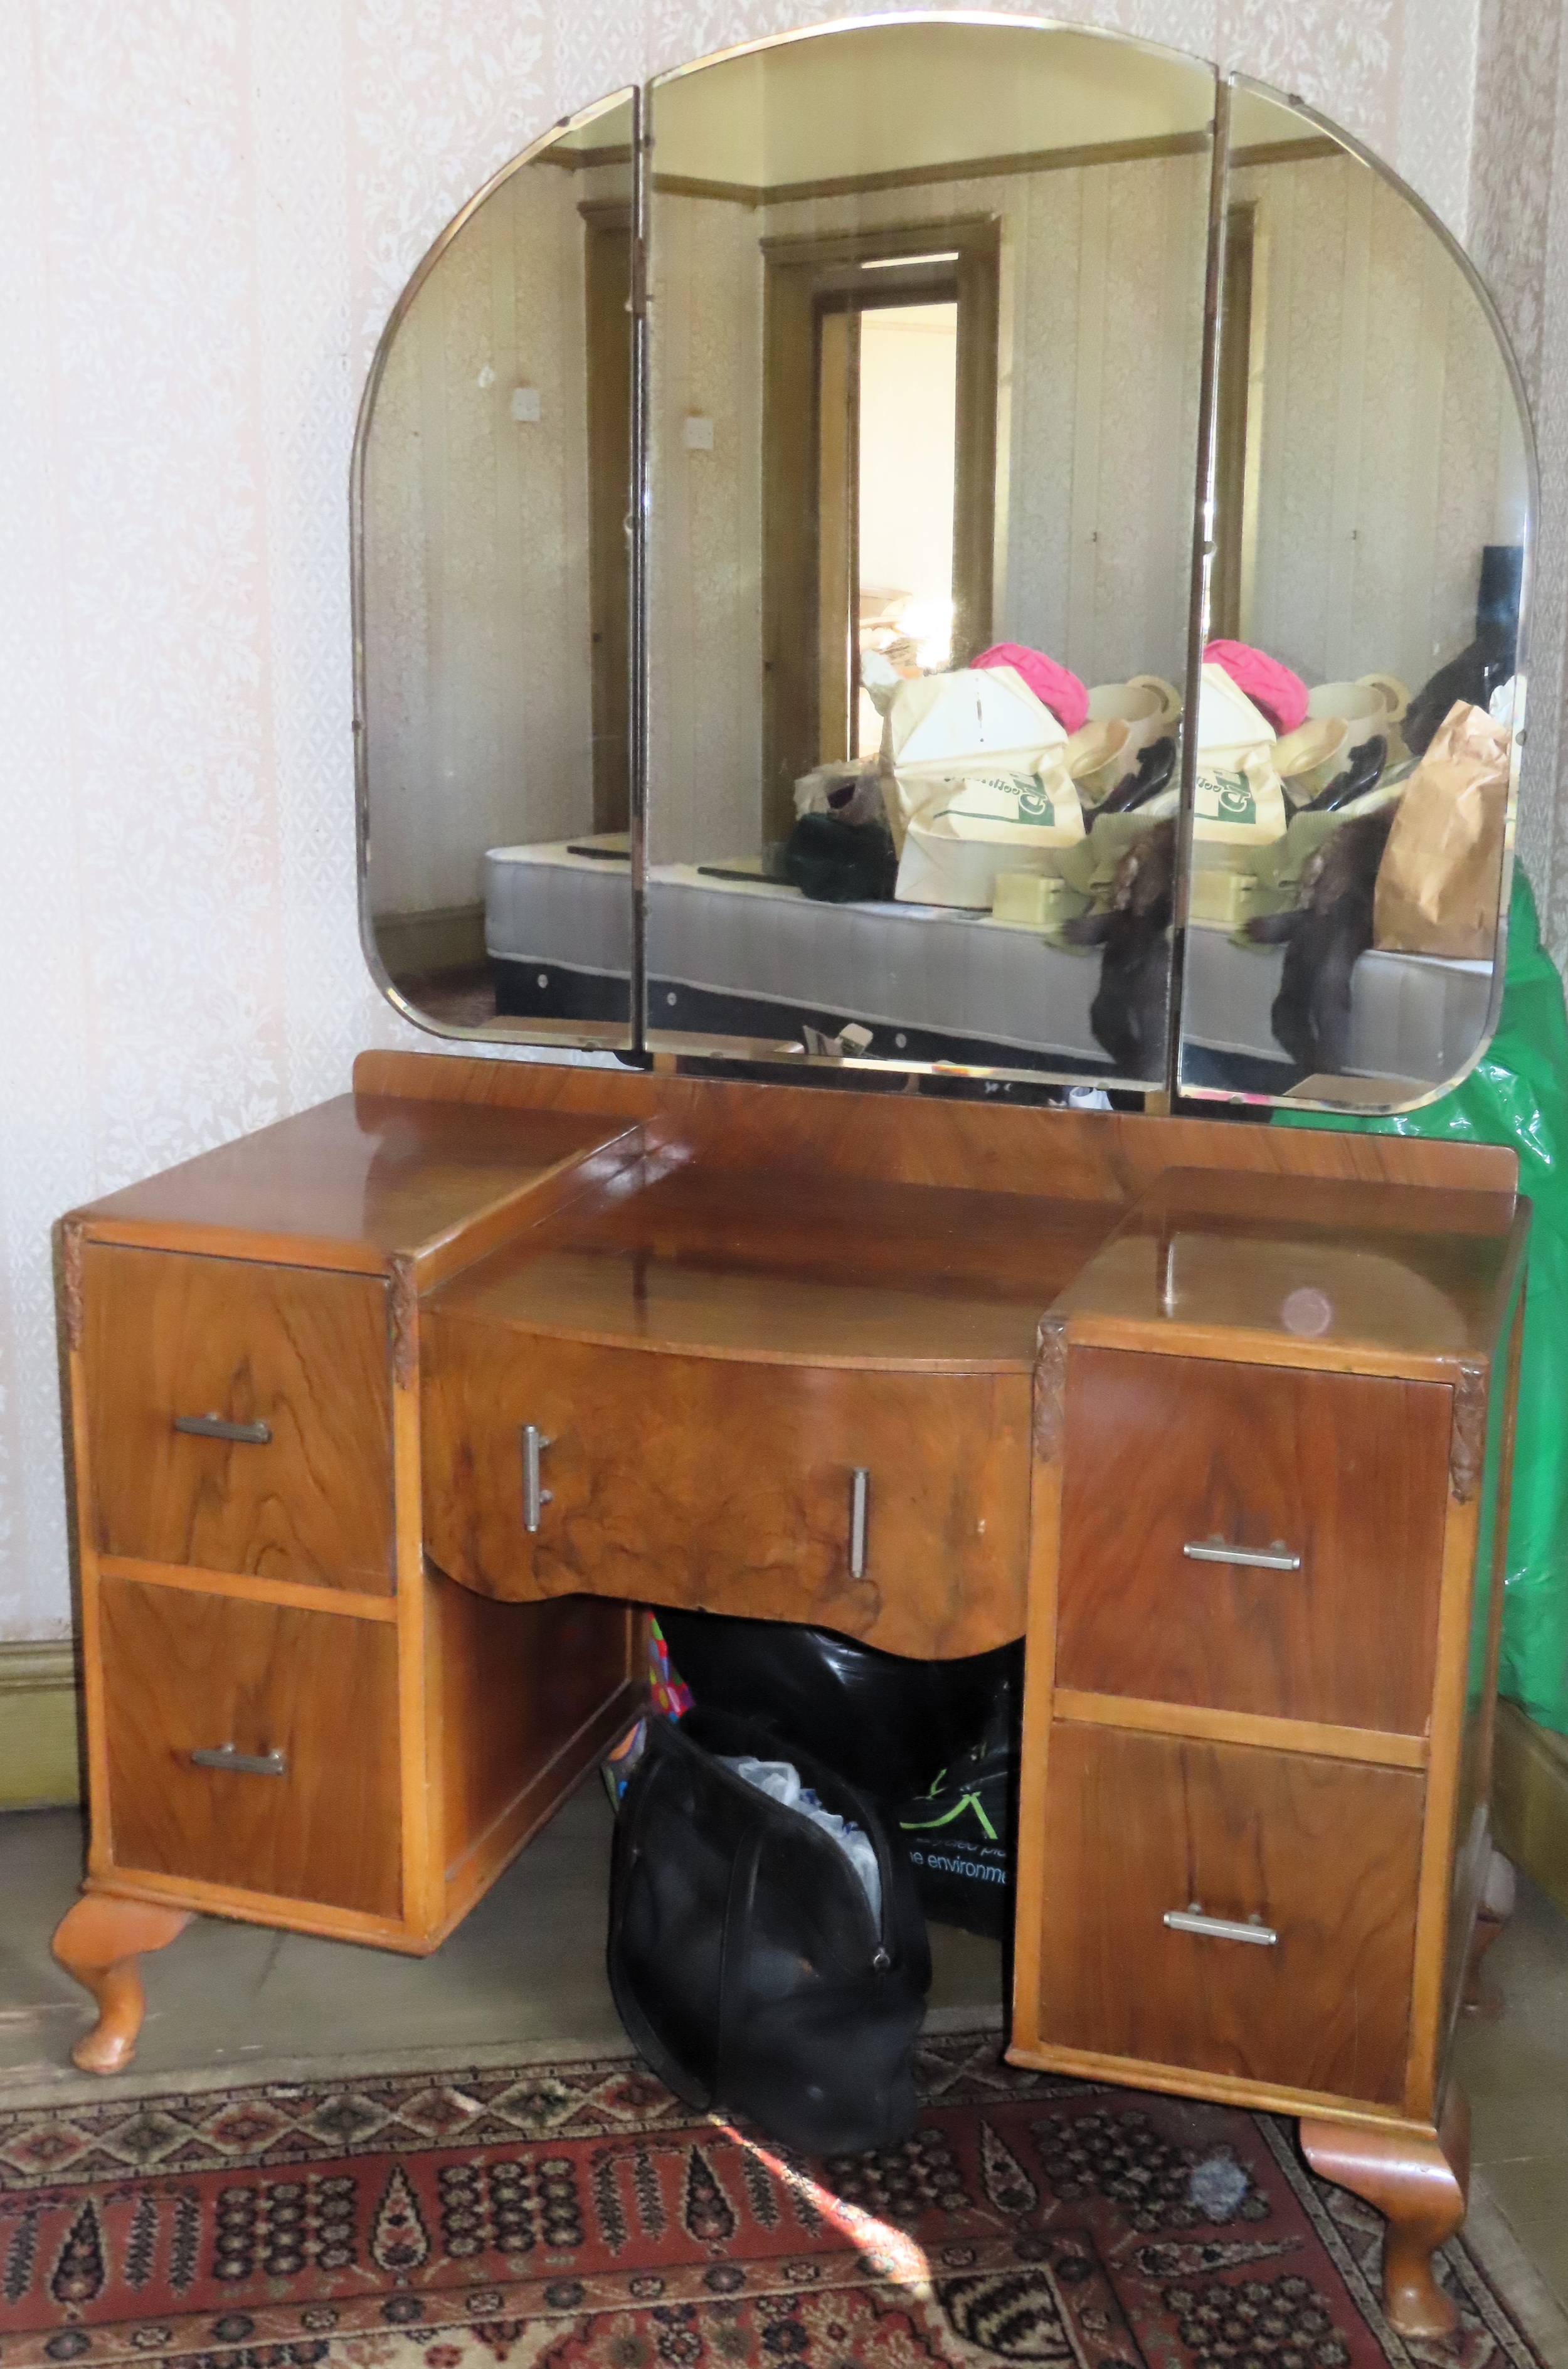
[{"x": 950, "y": 545}]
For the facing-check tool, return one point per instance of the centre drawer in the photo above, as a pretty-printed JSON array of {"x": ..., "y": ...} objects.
[
  {"x": 1252, "y": 1538},
  {"x": 239, "y": 1416},
  {"x": 252, "y": 1744},
  {"x": 729, "y": 1483},
  {"x": 1315, "y": 1859}
]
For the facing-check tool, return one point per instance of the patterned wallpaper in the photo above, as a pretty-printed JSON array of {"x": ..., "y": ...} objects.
[{"x": 208, "y": 211}]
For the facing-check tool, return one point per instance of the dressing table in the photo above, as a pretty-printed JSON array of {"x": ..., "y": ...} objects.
[{"x": 390, "y": 1421}]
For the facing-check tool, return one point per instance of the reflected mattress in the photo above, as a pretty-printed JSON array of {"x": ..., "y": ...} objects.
[
  {"x": 1411, "y": 1015},
  {"x": 745, "y": 958},
  {"x": 750, "y": 958}
]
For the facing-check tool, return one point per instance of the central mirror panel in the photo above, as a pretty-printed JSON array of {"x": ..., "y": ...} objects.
[{"x": 926, "y": 311}]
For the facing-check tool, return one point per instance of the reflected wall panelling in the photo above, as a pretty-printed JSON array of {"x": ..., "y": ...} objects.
[{"x": 477, "y": 700}]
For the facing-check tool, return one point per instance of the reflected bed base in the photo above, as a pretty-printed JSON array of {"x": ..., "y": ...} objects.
[
  {"x": 741, "y": 957},
  {"x": 1414, "y": 1018},
  {"x": 532, "y": 989}
]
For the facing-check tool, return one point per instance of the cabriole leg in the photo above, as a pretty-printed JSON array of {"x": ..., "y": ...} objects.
[
  {"x": 1420, "y": 2184},
  {"x": 99, "y": 1942}
]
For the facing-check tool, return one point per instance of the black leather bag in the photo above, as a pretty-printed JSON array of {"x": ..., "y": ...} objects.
[
  {"x": 887, "y": 1723},
  {"x": 743, "y": 1955}
]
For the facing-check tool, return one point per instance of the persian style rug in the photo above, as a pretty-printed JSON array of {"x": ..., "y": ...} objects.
[{"x": 578, "y": 2216}]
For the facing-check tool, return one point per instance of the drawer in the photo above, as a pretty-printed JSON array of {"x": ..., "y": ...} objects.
[
  {"x": 187, "y": 1672},
  {"x": 298, "y": 1354},
  {"x": 1347, "y": 1474},
  {"x": 727, "y": 1485},
  {"x": 1324, "y": 1853}
]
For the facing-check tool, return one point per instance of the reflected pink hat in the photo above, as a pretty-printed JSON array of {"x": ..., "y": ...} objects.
[
  {"x": 1051, "y": 684},
  {"x": 1281, "y": 694}
]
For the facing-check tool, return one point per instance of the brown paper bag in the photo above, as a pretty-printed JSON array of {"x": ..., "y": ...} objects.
[{"x": 1439, "y": 882}]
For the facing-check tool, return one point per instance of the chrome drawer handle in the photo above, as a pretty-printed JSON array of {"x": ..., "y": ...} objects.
[
  {"x": 1192, "y": 1919},
  {"x": 1277, "y": 1557},
  {"x": 217, "y": 1426},
  {"x": 244, "y": 1764},
  {"x": 533, "y": 1498},
  {"x": 860, "y": 1505}
]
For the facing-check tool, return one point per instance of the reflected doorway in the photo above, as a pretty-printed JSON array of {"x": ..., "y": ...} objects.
[
  {"x": 887, "y": 448},
  {"x": 881, "y": 397}
]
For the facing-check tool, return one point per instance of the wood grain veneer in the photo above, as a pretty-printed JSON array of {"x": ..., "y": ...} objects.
[
  {"x": 304, "y": 1353},
  {"x": 364, "y": 1177},
  {"x": 183, "y": 1672},
  {"x": 1072, "y": 1155},
  {"x": 1349, "y": 1475},
  {"x": 723, "y": 1485},
  {"x": 519, "y": 1685},
  {"x": 1324, "y": 1852}
]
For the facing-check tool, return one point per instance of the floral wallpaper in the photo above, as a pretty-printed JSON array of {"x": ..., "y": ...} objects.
[{"x": 208, "y": 211}]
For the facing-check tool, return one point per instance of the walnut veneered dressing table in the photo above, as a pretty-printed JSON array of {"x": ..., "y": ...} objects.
[
  {"x": 305, "y": 1373},
  {"x": 388, "y": 1419}
]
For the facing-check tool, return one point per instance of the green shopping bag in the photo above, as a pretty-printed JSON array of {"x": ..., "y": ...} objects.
[{"x": 1517, "y": 1094}]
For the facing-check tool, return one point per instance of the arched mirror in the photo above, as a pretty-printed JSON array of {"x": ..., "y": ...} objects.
[
  {"x": 493, "y": 492},
  {"x": 1358, "y": 722},
  {"x": 926, "y": 326},
  {"x": 785, "y": 631}
]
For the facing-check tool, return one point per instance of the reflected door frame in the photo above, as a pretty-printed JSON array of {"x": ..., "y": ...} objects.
[
  {"x": 607, "y": 278},
  {"x": 1238, "y": 424},
  {"x": 807, "y": 281}
]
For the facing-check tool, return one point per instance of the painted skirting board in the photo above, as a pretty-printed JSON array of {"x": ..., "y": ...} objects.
[
  {"x": 1529, "y": 1801},
  {"x": 39, "y": 1756},
  {"x": 452, "y": 937}
]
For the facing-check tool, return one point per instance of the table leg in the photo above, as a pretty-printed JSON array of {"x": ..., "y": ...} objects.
[
  {"x": 1420, "y": 2184},
  {"x": 99, "y": 1942}
]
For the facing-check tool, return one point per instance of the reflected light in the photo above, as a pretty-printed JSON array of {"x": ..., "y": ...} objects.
[
  {"x": 891, "y": 2253},
  {"x": 902, "y": 262},
  {"x": 929, "y": 624}
]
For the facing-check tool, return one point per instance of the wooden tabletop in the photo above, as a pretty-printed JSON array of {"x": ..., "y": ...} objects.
[
  {"x": 363, "y": 1179},
  {"x": 1347, "y": 1277},
  {"x": 793, "y": 1266}
]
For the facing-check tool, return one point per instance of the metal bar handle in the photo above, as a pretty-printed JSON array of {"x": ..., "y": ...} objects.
[
  {"x": 217, "y": 1426},
  {"x": 1277, "y": 1557},
  {"x": 534, "y": 1498},
  {"x": 243, "y": 1764},
  {"x": 859, "y": 1499},
  {"x": 1192, "y": 1919}
]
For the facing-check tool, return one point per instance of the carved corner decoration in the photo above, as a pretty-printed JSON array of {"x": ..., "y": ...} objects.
[
  {"x": 1467, "y": 1442},
  {"x": 403, "y": 1316},
  {"x": 71, "y": 1275},
  {"x": 1050, "y": 1387}
]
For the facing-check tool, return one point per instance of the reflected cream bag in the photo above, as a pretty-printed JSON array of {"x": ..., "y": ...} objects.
[
  {"x": 1442, "y": 870},
  {"x": 1238, "y": 797},
  {"x": 980, "y": 785}
]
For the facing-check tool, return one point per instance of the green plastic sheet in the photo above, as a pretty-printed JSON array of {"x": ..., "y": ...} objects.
[{"x": 1517, "y": 1094}]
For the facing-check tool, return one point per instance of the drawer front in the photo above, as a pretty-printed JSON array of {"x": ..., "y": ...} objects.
[
  {"x": 1345, "y": 1474},
  {"x": 1323, "y": 1853},
  {"x": 187, "y": 1673},
  {"x": 729, "y": 1486},
  {"x": 292, "y": 1352}
]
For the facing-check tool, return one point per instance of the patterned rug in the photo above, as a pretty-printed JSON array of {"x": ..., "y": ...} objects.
[{"x": 577, "y": 2214}]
